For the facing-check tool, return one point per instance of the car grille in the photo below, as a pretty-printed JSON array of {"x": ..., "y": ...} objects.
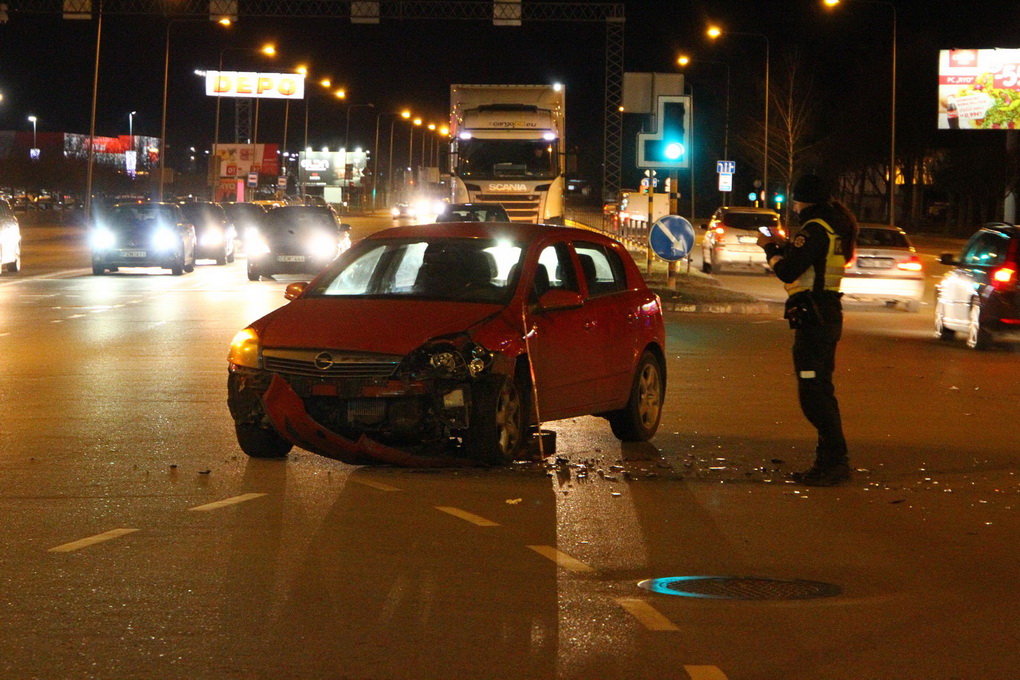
[
  {"x": 318, "y": 363},
  {"x": 520, "y": 207}
]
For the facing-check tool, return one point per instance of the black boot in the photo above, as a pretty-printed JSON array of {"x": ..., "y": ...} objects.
[{"x": 831, "y": 474}]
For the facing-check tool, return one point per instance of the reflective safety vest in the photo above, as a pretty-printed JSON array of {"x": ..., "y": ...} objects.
[{"x": 835, "y": 265}]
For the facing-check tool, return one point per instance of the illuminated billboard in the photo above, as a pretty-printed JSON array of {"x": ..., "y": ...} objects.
[
  {"x": 979, "y": 89},
  {"x": 258, "y": 85}
]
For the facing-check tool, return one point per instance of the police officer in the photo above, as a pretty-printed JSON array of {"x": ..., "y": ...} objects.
[{"x": 811, "y": 266}]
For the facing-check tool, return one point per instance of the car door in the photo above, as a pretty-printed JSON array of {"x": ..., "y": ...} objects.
[
  {"x": 562, "y": 345},
  {"x": 983, "y": 251},
  {"x": 604, "y": 281}
]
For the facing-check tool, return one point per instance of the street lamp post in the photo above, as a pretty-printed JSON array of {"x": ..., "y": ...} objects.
[
  {"x": 33, "y": 120},
  {"x": 389, "y": 167},
  {"x": 683, "y": 61},
  {"x": 892, "y": 115},
  {"x": 375, "y": 153},
  {"x": 410, "y": 148},
  {"x": 715, "y": 32},
  {"x": 131, "y": 124}
]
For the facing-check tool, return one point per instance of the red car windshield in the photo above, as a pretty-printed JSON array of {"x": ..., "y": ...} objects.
[{"x": 465, "y": 270}]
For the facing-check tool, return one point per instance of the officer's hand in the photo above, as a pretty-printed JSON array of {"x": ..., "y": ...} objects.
[{"x": 764, "y": 239}]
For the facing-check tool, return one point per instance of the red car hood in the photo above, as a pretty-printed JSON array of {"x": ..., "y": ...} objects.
[{"x": 370, "y": 325}]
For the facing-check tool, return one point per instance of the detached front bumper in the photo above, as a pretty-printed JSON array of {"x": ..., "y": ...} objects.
[{"x": 251, "y": 400}]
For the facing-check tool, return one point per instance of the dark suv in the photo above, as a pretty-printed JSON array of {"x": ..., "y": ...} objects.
[{"x": 980, "y": 296}]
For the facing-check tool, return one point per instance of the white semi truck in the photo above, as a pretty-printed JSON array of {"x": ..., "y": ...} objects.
[{"x": 507, "y": 147}]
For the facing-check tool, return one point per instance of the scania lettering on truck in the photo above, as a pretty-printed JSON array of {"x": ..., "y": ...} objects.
[{"x": 507, "y": 147}]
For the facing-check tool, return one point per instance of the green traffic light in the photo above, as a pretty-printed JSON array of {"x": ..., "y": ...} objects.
[{"x": 674, "y": 150}]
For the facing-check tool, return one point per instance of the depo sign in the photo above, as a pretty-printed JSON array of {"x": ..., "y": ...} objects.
[{"x": 265, "y": 85}]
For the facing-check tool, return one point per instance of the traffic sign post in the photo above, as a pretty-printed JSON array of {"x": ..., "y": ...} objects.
[{"x": 672, "y": 239}]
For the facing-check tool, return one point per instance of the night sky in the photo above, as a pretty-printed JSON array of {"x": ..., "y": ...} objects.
[{"x": 46, "y": 65}]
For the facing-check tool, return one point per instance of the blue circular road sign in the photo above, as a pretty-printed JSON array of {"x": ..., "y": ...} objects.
[{"x": 671, "y": 237}]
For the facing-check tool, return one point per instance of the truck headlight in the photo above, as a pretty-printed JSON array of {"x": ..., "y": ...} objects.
[{"x": 245, "y": 349}]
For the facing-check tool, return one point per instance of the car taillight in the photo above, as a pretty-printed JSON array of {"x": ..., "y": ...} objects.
[
  {"x": 850, "y": 263},
  {"x": 911, "y": 265},
  {"x": 719, "y": 232},
  {"x": 1004, "y": 278}
]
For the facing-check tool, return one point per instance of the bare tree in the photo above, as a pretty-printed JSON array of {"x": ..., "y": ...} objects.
[{"x": 792, "y": 144}]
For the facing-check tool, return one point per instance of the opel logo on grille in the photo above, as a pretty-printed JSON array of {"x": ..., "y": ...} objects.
[{"x": 324, "y": 361}]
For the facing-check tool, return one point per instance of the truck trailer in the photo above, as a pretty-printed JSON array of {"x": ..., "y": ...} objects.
[{"x": 507, "y": 147}]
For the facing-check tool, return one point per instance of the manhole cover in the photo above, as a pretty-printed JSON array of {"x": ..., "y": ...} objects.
[{"x": 740, "y": 588}]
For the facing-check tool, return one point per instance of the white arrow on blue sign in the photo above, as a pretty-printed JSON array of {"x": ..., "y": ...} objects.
[
  {"x": 725, "y": 167},
  {"x": 671, "y": 237}
]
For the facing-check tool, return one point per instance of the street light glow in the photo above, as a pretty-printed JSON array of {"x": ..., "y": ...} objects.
[
  {"x": 269, "y": 50},
  {"x": 714, "y": 31},
  {"x": 683, "y": 60}
]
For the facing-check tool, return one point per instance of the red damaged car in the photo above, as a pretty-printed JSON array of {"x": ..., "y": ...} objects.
[{"x": 450, "y": 342}]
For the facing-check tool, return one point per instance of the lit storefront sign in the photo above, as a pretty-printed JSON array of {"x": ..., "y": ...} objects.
[{"x": 255, "y": 85}]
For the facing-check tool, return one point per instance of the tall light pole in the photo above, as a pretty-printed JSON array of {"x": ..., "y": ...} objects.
[
  {"x": 684, "y": 60},
  {"x": 131, "y": 124},
  {"x": 375, "y": 154},
  {"x": 410, "y": 148},
  {"x": 33, "y": 120},
  {"x": 269, "y": 50},
  {"x": 406, "y": 115},
  {"x": 347, "y": 128},
  {"x": 892, "y": 115},
  {"x": 714, "y": 32}
]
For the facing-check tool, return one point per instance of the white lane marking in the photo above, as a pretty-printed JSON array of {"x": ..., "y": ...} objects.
[
  {"x": 467, "y": 516},
  {"x": 705, "y": 673},
  {"x": 227, "y": 501},
  {"x": 92, "y": 540},
  {"x": 562, "y": 559},
  {"x": 376, "y": 485},
  {"x": 648, "y": 615}
]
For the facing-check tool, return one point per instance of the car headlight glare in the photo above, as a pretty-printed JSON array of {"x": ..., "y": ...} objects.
[
  {"x": 164, "y": 239},
  {"x": 245, "y": 349},
  {"x": 213, "y": 237},
  {"x": 254, "y": 243},
  {"x": 322, "y": 244},
  {"x": 103, "y": 238}
]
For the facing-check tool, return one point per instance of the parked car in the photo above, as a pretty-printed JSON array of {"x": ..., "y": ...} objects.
[
  {"x": 295, "y": 239},
  {"x": 10, "y": 238},
  {"x": 214, "y": 231},
  {"x": 885, "y": 268},
  {"x": 421, "y": 342},
  {"x": 143, "y": 235},
  {"x": 731, "y": 238},
  {"x": 979, "y": 296},
  {"x": 473, "y": 212}
]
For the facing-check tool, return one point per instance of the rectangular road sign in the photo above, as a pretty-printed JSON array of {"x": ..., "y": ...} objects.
[
  {"x": 726, "y": 182},
  {"x": 726, "y": 167}
]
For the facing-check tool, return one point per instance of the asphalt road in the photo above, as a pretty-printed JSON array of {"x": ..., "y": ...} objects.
[{"x": 141, "y": 543}]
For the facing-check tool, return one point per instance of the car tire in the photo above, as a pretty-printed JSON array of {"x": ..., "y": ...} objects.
[
  {"x": 639, "y": 419},
  {"x": 258, "y": 442},
  {"x": 230, "y": 256},
  {"x": 977, "y": 337},
  {"x": 253, "y": 272},
  {"x": 177, "y": 269},
  {"x": 941, "y": 332},
  {"x": 221, "y": 259},
  {"x": 498, "y": 423},
  {"x": 15, "y": 266},
  {"x": 706, "y": 265},
  {"x": 98, "y": 269},
  {"x": 716, "y": 266}
]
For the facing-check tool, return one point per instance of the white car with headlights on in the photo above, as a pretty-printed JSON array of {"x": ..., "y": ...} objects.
[
  {"x": 10, "y": 238},
  {"x": 143, "y": 235},
  {"x": 295, "y": 239},
  {"x": 885, "y": 269}
]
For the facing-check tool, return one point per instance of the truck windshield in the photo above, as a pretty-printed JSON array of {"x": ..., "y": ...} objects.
[{"x": 507, "y": 159}]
